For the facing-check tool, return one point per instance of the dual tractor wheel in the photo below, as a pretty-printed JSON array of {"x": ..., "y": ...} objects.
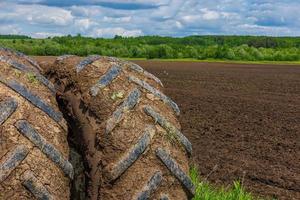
[{"x": 95, "y": 128}]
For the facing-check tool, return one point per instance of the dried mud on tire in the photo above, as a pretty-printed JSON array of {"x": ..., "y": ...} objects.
[
  {"x": 126, "y": 128},
  {"x": 33, "y": 133}
]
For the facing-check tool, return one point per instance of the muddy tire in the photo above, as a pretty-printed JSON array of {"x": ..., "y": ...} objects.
[
  {"x": 33, "y": 133},
  {"x": 131, "y": 137}
]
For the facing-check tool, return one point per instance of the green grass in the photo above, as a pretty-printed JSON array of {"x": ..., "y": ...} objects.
[
  {"x": 32, "y": 78},
  {"x": 204, "y": 191},
  {"x": 220, "y": 61}
]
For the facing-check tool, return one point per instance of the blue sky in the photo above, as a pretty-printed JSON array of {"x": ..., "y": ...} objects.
[{"x": 97, "y": 18}]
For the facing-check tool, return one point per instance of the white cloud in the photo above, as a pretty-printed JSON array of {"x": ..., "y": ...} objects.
[
  {"x": 45, "y": 34},
  {"x": 117, "y": 20},
  {"x": 251, "y": 29},
  {"x": 47, "y": 16},
  {"x": 111, "y": 32},
  {"x": 35, "y": 14},
  {"x": 209, "y": 14},
  {"x": 187, "y": 19},
  {"x": 9, "y": 29},
  {"x": 167, "y": 11},
  {"x": 178, "y": 24},
  {"x": 153, "y": 2},
  {"x": 85, "y": 11},
  {"x": 84, "y": 24},
  {"x": 162, "y": 17}
]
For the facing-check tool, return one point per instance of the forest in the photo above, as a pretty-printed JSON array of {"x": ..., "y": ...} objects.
[{"x": 248, "y": 48}]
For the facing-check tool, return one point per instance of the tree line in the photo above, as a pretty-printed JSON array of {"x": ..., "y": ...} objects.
[
  {"x": 252, "y": 48},
  {"x": 14, "y": 37}
]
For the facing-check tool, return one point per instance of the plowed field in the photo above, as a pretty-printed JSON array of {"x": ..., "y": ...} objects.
[{"x": 243, "y": 121}]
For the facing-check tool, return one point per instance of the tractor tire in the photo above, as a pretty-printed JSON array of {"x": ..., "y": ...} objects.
[
  {"x": 34, "y": 150},
  {"x": 131, "y": 137}
]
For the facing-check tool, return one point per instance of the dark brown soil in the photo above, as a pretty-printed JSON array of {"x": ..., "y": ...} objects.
[{"x": 243, "y": 121}]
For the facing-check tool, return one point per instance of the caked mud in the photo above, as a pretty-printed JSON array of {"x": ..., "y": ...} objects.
[
  {"x": 34, "y": 152},
  {"x": 125, "y": 128}
]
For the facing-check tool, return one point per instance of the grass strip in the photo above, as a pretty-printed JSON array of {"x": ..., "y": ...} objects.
[{"x": 205, "y": 191}]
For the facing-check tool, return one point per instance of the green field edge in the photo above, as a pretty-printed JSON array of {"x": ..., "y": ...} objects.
[
  {"x": 206, "y": 191},
  {"x": 217, "y": 61}
]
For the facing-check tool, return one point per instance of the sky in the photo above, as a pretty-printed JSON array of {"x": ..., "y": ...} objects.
[{"x": 178, "y": 18}]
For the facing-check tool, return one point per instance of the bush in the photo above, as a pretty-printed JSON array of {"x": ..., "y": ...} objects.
[{"x": 199, "y": 47}]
